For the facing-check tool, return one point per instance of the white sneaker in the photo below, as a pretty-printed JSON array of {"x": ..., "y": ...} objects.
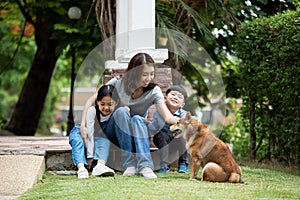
[
  {"x": 102, "y": 170},
  {"x": 82, "y": 173},
  {"x": 147, "y": 172},
  {"x": 130, "y": 171}
]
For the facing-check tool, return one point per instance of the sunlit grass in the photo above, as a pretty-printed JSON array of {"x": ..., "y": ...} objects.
[{"x": 261, "y": 182}]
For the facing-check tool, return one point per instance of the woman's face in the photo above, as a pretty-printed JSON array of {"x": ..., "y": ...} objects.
[
  {"x": 147, "y": 75},
  {"x": 106, "y": 105}
]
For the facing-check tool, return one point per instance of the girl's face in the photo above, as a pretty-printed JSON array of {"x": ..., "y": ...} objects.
[
  {"x": 147, "y": 75},
  {"x": 106, "y": 105}
]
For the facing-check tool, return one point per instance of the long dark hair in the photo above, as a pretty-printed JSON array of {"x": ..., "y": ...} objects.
[
  {"x": 135, "y": 70},
  {"x": 105, "y": 90}
]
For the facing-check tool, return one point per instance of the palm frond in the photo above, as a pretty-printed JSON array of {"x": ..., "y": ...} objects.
[{"x": 201, "y": 22}]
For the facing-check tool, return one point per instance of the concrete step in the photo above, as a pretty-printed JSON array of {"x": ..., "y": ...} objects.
[
  {"x": 60, "y": 160},
  {"x": 23, "y": 160},
  {"x": 58, "y": 152},
  {"x": 19, "y": 173}
]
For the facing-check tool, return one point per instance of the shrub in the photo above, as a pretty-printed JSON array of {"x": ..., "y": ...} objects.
[{"x": 269, "y": 83}]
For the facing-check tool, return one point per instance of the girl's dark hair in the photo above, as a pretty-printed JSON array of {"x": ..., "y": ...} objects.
[
  {"x": 135, "y": 70},
  {"x": 105, "y": 90}
]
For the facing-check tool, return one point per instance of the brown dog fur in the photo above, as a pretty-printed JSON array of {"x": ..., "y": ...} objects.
[{"x": 214, "y": 156}]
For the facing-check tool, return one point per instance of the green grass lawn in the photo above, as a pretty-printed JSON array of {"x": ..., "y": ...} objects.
[{"x": 261, "y": 182}]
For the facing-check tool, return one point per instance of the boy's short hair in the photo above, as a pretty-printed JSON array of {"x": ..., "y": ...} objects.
[{"x": 178, "y": 88}]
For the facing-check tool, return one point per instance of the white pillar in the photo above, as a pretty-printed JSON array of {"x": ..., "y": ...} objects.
[
  {"x": 135, "y": 32},
  {"x": 135, "y": 25}
]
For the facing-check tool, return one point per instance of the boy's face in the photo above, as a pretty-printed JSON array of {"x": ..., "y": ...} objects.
[{"x": 174, "y": 100}]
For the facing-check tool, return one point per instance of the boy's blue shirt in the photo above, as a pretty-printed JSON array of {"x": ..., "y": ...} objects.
[{"x": 158, "y": 124}]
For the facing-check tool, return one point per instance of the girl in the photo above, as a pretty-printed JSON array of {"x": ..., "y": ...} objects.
[{"x": 97, "y": 119}]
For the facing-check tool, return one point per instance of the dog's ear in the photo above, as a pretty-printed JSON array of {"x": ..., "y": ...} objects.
[
  {"x": 188, "y": 116},
  {"x": 202, "y": 126}
]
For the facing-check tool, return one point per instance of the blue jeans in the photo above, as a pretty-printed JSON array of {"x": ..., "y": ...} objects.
[
  {"x": 78, "y": 150},
  {"x": 132, "y": 136}
]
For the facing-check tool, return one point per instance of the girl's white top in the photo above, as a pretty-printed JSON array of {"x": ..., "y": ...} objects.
[{"x": 93, "y": 127}]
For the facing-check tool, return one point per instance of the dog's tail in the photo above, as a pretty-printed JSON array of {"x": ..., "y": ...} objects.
[{"x": 235, "y": 178}]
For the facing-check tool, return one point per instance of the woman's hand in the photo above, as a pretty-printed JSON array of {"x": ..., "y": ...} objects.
[
  {"x": 85, "y": 134},
  {"x": 127, "y": 107},
  {"x": 163, "y": 110},
  {"x": 146, "y": 121}
]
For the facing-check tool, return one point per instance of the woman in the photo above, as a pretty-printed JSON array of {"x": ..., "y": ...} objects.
[{"x": 137, "y": 92}]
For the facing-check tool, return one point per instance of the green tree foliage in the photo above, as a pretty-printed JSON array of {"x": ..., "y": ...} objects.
[
  {"x": 55, "y": 32},
  {"x": 234, "y": 131},
  {"x": 269, "y": 83},
  {"x": 16, "y": 53},
  {"x": 52, "y": 32}
]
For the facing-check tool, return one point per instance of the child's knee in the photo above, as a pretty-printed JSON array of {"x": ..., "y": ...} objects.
[
  {"x": 121, "y": 114},
  {"x": 120, "y": 110},
  {"x": 137, "y": 119}
]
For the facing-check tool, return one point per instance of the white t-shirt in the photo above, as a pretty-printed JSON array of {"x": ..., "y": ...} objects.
[
  {"x": 138, "y": 106},
  {"x": 93, "y": 126}
]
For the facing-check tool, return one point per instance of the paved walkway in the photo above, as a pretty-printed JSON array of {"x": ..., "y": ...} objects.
[{"x": 22, "y": 162}]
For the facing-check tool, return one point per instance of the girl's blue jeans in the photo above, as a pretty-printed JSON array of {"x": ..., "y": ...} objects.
[
  {"x": 132, "y": 135},
  {"x": 129, "y": 133},
  {"x": 78, "y": 150}
]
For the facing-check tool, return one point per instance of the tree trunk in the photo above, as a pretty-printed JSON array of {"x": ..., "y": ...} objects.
[
  {"x": 25, "y": 118},
  {"x": 252, "y": 152},
  {"x": 106, "y": 17},
  {"x": 272, "y": 137},
  {"x": 272, "y": 147}
]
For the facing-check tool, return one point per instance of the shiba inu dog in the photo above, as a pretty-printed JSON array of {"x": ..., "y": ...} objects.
[{"x": 207, "y": 151}]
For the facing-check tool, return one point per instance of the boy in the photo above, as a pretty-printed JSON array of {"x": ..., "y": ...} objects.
[{"x": 175, "y": 99}]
